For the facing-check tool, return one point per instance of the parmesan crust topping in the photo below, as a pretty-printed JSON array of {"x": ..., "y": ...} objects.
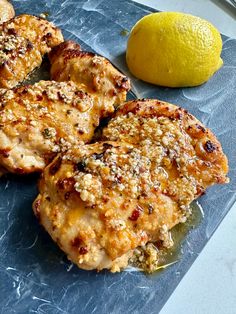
[{"x": 118, "y": 199}]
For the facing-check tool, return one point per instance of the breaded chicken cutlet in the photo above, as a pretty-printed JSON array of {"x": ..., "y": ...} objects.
[
  {"x": 101, "y": 201},
  {"x": 6, "y": 11},
  {"x": 92, "y": 73},
  {"x": 24, "y": 40},
  {"x": 38, "y": 121}
]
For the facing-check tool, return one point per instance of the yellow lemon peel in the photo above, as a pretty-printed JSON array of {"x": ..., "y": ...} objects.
[{"x": 174, "y": 49}]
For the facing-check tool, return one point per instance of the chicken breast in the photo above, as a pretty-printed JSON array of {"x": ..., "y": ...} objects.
[
  {"x": 6, "y": 11},
  {"x": 188, "y": 145},
  {"x": 93, "y": 204},
  {"x": 92, "y": 73},
  {"x": 101, "y": 201},
  {"x": 23, "y": 42},
  {"x": 38, "y": 121}
]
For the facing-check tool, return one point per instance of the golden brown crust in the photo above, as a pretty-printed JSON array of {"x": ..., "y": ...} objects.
[
  {"x": 63, "y": 50},
  {"x": 6, "y": 11},
  {"x": 23, "y": 42},
  {"x": 38, "y": 121},
  {"x": 92, "y": 73},
  {"x": 131, "y": 124},
  {"x": 101, "y": 201}
]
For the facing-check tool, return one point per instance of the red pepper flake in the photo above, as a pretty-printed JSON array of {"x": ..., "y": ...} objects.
[
  {"x": 20, "y": 170},
  {"x": 39, "y": 98},
  {"x": 135, "y": 214},
  {"x": 142, "y": 169},
  {"x": 55, "y": 166},
  {"x": 83, "y": 250},
  {"x": 4, "y": 152},
  {"x": 76, "y": 242}
]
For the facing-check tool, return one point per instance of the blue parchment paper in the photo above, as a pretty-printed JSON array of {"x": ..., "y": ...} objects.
[{"x": 35, "y": 276}]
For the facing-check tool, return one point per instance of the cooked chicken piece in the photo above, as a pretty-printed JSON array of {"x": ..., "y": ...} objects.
[
  {"x": 23, "y": 42},
  {"x": 190, "y": 148},
  {"x": 6, "y": 11},
  {"x": 92, "y": 73},
  {"x": 101, "y": 201},
  {"x": 38, "y": 121},
  {"x": 89, "y": 204}
]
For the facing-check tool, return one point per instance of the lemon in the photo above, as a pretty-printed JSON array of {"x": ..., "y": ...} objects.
[{"x": 174, "y": 49}]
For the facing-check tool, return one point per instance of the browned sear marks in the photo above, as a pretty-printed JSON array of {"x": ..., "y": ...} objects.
[
  {"x": 92, "y": 73},
  {"x": 130, "y": 190}
]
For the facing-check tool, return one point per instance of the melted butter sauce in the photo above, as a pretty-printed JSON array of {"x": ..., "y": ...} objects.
[
  {"x": 179, "y": 233},
  {"x": 168, "y": 257},
  {"x": 41, "y": 73}
]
